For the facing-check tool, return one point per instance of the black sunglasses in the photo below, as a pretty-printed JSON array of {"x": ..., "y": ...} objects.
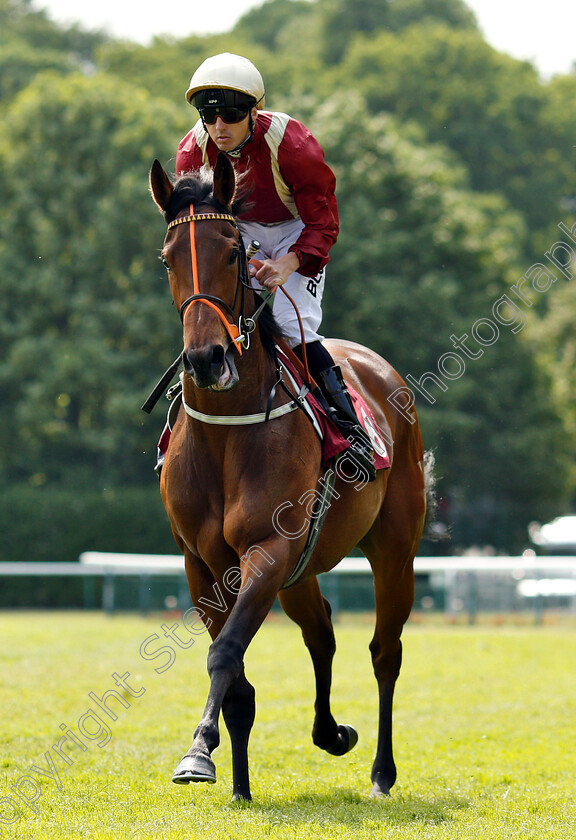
[{"x": 231, "y": 114}]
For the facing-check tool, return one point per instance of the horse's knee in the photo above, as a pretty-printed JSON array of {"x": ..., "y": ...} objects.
[
  {"x": 225, "y": 656},
  {"x": 239, "y": 706}
]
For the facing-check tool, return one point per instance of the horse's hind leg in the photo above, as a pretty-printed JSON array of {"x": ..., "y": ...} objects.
[
  {"x": 305, "y": 605},
  {"x": 386, "y": 650},
  {"x": 391, "y": 554}
]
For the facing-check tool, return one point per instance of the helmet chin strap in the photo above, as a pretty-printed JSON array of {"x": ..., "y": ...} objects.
[{"x": 235, "y": 153}]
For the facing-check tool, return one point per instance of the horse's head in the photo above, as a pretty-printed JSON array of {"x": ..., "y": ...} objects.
[{"x": 205, "y": 260}]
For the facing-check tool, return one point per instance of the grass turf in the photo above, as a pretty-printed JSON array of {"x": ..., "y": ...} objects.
[{"x": 485, "y": 726}]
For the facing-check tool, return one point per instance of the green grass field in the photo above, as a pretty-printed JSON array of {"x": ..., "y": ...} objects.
[{"x": 485, "y": 734}]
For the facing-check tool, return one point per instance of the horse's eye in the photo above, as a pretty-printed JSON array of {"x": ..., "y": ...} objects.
[
  {"x": 164, "y": 262},
  {"x": 233, "y": 255}
]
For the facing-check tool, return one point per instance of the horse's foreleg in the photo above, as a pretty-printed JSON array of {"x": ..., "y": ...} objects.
[
  {"x": 239, "y": 710},
  {"x": 225, "y": 666},
  {"x": 305, "y": 605},
  {"x": 197, "y": 765},
  {"x": 229, "y": 689}
]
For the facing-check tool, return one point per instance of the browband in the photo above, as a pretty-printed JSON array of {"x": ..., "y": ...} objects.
[{"x": 204, "y": 217}]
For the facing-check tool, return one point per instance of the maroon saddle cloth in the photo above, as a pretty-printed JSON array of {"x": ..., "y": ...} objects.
[{"x": 333, "y": 441}]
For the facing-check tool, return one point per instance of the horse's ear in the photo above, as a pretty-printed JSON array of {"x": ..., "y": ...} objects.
[
  {"x": 161, "y": 186},
  {"x": 224, "y": 180}
]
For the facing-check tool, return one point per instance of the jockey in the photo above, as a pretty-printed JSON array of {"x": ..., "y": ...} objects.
[{"x": 291, "y": 211}]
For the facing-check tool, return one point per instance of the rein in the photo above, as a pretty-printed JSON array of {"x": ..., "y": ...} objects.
[{"x": 239, "y": 333}]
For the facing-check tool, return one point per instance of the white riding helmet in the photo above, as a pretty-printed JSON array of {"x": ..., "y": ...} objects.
[{"x": 228, "y": 72}]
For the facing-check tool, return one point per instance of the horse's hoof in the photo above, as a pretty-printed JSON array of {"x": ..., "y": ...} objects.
[
  {"x": 381, "y": 784},
  {"x": 195, "y": 768},
  {"x": 347, "y": 740},
  {"x": 379, "y": 792}
]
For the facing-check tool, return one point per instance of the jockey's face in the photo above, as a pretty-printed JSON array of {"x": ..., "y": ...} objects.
[{"x": 227, "y": 136}]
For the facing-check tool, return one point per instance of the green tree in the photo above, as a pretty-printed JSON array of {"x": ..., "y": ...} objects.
[
  {"x": 422, "y": 258},
  {"x": 555, "y": 340},
  {"x": 429, "y": 238},
  {"x": 85, "y": 319},
  {"x": 488, "y": 107},
  {"x": 341, "y": 19},
  {"x": 21, "y": 63},
  {"x": 30, "y": 43},
  {"x": 265, "y": 24},
  {"x": 21, "y": 19},
  {"x": 166, "y": 67},
  {"x": 455, "y": 13}
]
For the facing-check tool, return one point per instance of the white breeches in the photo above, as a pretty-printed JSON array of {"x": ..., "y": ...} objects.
[{"x": 275, "y": 241}]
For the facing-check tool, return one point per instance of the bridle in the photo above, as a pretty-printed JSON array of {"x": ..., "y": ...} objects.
[{"x": 240, "y": 332}]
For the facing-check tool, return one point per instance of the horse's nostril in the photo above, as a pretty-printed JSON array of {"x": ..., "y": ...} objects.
[
  {"x": 217, "y": 357},
  {"x": 205, "y": 364}
]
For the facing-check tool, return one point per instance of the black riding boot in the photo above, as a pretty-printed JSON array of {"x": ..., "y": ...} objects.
[
  {"x": 344, "y": 415},
  {"x": 333, "y": 396}
]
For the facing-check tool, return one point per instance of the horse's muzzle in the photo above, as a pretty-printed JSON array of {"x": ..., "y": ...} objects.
[{"x": 211, "y": 367}]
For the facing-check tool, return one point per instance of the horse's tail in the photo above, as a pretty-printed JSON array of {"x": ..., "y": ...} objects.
[{"x": 433, "y": 530}]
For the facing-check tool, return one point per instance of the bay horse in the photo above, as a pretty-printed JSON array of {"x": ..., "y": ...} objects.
[{"x": 237, "y": 491}]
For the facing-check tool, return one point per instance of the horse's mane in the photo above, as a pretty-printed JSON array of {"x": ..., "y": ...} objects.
[{"x": 197, "y": 188}]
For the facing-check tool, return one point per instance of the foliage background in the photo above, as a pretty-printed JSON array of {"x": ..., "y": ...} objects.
[{"x": 455, "y": 164}]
